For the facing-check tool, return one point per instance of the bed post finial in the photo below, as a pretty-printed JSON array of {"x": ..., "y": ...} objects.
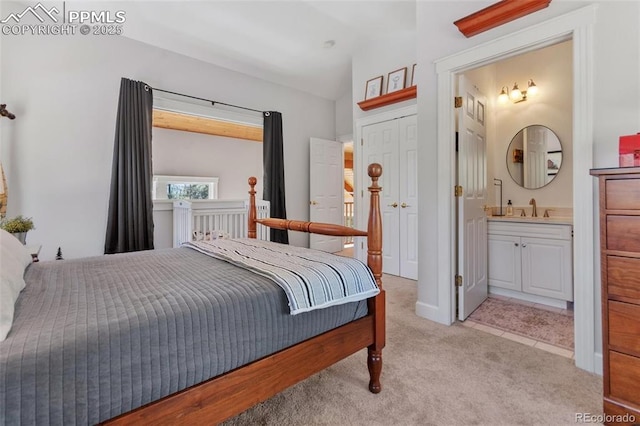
[{"x": 252, "y": 207}]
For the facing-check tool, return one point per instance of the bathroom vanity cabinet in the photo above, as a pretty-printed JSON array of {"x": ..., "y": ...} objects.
[
  {"x": 532, "y": 258},
  {"x": 620, "y": 265}
]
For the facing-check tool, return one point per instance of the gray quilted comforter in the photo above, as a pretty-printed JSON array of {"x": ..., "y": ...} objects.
[{"x": 93, "y": 338}]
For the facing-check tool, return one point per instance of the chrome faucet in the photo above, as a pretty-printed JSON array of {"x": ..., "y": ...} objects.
[{"x": 534, "y": 211}]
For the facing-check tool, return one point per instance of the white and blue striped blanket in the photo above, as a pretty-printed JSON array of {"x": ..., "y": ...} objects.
[{"x": 311, "y": 279}]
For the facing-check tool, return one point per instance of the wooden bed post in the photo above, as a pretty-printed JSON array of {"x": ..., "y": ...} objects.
[
  {"x": 374, "y": 260},
  {"x": 252, "y": 207}
]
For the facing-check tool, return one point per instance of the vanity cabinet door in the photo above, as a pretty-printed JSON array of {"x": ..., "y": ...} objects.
[
  {"x": 504, "y": 262},
  {"x": 546, "y": 267}
]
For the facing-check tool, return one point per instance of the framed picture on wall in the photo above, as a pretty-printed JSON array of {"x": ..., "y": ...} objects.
[
  {"x": 414, "y": 81},
  {"x": 396, "y": 80},
  {"x": 518, "y": 156},
  {"x": 374, "y": 88}
]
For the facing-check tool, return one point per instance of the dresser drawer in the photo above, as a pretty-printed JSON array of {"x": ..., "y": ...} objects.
[
  {"x": 623, "y": 233},
  {"x": 623, "y": 277},
  {"x": 623, "y": 194},
  {"x": 624, "y": 377},
  {"x": 624, "y": 327}
]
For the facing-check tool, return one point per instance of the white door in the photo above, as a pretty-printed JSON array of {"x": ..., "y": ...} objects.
[
  {"x": 326, "y": 186},
  {"x": 408, "y": 170},
  {"x": 472, "y": 220},
  {"x": 380, "y": 145}
]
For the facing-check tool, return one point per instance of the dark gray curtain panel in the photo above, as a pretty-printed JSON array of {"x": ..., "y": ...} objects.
[
  {"x": 273, "y": 164},
  {"x": 130, "y": 219}
]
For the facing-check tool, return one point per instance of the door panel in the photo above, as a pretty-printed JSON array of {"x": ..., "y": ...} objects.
[
  {"x": 326, "y": 190},
  {"x": 504, "y": 262},
  {"x": 380, "y": 145},
  {"x": 472, "y": 221},
  {"x": 408, "y": 170},
  {"x": 546, "y": 267}
]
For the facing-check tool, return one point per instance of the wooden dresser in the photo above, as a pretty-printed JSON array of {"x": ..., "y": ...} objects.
[{"x": 620, "y": 262}]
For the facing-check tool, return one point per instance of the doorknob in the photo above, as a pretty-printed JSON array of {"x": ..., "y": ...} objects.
[
  {"x": 394, "y": 205},
  {"x": 404, "y": 205},
  {"x": 313, "y": 203}
]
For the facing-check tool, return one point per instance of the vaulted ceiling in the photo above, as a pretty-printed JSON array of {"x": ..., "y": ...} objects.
[{"x": 285, "y": 42}]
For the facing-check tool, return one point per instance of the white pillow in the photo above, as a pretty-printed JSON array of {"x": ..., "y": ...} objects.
[{"x": 14, "y": 258}]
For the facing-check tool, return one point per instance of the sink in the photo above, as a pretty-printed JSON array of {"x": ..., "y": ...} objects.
[{"x": 558, "y": 219}]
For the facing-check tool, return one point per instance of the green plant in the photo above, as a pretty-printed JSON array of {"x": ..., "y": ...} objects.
[{"x": 17, "y": 224}]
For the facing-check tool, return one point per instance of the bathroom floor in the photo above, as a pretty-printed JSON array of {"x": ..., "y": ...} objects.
[{"x": 540, "y": 326}]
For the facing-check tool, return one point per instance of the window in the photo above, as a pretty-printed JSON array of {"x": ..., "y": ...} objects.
[{"x": 184, "y": 188}]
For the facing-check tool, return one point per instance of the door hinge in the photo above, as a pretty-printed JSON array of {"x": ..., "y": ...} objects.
[
  {"x": 457, "y": 191},
  {"x": 457, "y": 101},
  {"x": 458, "y": 280},
  {"x": 361, "y": 142},
  {"x": 362, "y": 193}
]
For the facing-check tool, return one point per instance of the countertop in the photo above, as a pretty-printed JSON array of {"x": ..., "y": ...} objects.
[{"x": 521, "y": 219}]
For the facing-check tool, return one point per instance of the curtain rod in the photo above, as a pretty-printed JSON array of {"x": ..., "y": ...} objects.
[{"x": 206, "y": 100}]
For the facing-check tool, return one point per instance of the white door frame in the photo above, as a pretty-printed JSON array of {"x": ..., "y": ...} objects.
[
  {"x": 577, "y": 25},
  {"x": 360, "y": 216}
]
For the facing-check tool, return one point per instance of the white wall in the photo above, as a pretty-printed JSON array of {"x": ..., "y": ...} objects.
[
  {"x": 552, "y": 70},
  {"x": 381, "y": 58},
  {"x": 378, "y": 58},
  {"x": 177, "y": 153},
  {"x": 616, "y": 101},
  {"x": 344, "y": 116},
  {"x": 64, "y": 89}
]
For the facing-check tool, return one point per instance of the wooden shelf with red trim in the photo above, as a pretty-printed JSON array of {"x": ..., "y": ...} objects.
[
  {"x": 389, "y": 98},
  {"x": 497, "y": 14}
]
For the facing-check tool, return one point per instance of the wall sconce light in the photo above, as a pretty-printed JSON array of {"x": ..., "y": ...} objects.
[{"x": 517, "y": 95}]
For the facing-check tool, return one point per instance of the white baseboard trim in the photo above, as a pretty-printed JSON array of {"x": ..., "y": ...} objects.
[
  {"x": 432, "y": 313},
  {"x": 533, "y": 298},
  {"x": 598, "y": 362}
]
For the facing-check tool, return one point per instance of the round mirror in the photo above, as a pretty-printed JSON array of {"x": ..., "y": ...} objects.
[{"x": 534, "y": 156}]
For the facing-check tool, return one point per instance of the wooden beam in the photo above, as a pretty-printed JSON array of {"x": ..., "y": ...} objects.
[
  {"x": 497, "y": 14},
  {"x": 208, "y": 126}
]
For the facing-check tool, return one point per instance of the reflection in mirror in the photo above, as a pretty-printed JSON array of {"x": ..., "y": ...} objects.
[{"x": 534, "y": 156}]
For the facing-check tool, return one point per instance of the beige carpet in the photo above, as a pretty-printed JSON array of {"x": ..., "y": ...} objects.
[
  {"x": 538, "y": 324},
  {"x": 437, "y": 375}
]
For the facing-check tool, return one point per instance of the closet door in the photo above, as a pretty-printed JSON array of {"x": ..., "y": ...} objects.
[
  {"x": 380, "y": 145},
  {"x": 408, "y": 180}
]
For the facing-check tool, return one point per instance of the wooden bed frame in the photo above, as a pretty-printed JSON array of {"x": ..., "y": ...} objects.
[{"x": 225, "y": 396}]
